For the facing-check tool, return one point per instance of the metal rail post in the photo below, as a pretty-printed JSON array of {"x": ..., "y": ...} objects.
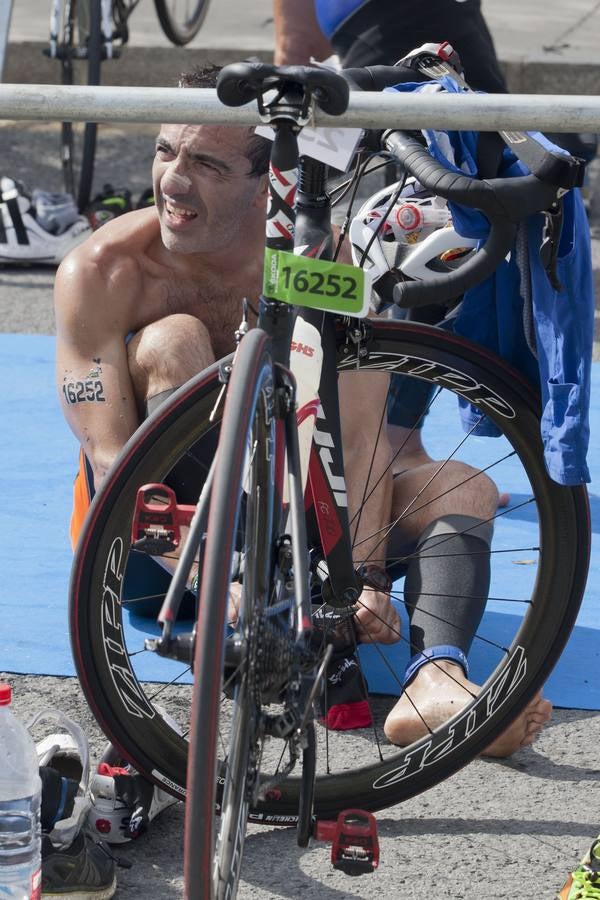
[{"x": 5, "y": 14}]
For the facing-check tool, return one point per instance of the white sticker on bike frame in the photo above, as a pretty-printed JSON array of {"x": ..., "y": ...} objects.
[{"x": 333, "y": 146}]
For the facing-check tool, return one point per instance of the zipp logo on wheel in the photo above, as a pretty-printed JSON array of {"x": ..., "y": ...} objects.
[
  {"x": 124, "y": 681},
  {"x": 465, "y": 727},
  {"x": 468, "y": 387}
]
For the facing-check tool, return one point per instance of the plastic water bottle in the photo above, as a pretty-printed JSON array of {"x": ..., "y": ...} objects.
[{"x": 20, "y": 799}]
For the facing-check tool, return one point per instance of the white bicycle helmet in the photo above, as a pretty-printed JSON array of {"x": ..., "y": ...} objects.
[{"x": 417, "y": 240}]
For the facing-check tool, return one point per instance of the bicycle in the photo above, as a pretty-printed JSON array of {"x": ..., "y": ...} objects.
[
  {"x": 90, "y": 31},
  {"x": 265, "y": 669}
]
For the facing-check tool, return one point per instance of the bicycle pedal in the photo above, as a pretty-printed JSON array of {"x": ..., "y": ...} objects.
[
  {"x": 158, "y": 518},
  {"x": 354, "y": 841}
]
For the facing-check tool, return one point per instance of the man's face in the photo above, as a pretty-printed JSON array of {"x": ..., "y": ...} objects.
[{"x": 203, "y": 189}]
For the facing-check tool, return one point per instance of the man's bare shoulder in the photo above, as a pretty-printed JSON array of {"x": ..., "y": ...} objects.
[
  {"x": 105, "y": 276},
  {"x": 126, "y": 239}
]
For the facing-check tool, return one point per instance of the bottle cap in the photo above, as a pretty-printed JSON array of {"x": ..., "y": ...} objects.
[{"x": 5, "y": 694}]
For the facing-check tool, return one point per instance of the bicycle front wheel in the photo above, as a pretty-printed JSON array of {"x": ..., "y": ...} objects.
[
  {"x": 226, "y": 709},
  {"x": 181, "y": 19},
  {"x": 526, "y": 623},
  {"x": 80, "y": 43}
]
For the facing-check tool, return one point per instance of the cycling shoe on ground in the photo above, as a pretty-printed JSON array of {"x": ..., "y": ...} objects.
[
  {"x": 584, "y": 882},
  {"x": 123, "y": 801},
  {"x": 108, "y": 204},
  {"x": 37, "y": 235},
  {"x": 145, "y": 199}
]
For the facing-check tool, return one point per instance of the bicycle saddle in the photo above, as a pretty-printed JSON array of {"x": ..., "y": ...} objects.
[{"x": 239, "y": 83}]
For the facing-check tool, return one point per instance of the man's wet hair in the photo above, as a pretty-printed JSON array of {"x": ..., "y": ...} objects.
[{"x": 258, "y": 150}]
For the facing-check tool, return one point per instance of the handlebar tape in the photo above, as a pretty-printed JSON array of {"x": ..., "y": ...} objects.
[
  {"x": 499, "y": 198},
  {"x": 376, "y": 78},
  {"x": 505, "y": 202}
]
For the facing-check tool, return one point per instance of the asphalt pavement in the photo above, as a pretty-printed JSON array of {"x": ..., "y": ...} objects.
[{"x": 496, "y": 830}]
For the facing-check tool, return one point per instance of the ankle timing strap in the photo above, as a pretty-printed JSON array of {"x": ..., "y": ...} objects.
[{"x": 442, "y": 651}]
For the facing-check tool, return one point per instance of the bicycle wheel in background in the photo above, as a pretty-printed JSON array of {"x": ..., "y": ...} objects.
[
  {"x": 181, "y": 19},
  {"x": 143, "y": 703},
  {"x": 80, "y": 43}
]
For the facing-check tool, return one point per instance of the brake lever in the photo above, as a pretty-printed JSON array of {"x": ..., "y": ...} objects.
[{"x": 550, "y": 242}]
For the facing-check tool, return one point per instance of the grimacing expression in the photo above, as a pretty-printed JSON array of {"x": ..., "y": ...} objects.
[{"x": 203, "y": 188}]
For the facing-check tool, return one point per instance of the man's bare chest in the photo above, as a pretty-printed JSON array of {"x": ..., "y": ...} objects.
[{"x": 218, "y": 306}]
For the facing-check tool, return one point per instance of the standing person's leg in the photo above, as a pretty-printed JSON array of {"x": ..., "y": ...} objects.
[{"x": 447, "y": 541}]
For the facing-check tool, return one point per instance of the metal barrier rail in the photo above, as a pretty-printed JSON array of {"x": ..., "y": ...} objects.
[
  {"x": 5, "y": 14},
  {"x": 477, "y": 112}
]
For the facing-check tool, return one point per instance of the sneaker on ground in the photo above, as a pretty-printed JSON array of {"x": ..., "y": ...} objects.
[
  {"x": 82, "y": 871},
  {"x": 24, "y": 239},
  {"x": 145, "y": 199},
  {"x": 73, "y": 865},
  {"x": 123, "y": 801},
  {"x": 584, "y": 882}
]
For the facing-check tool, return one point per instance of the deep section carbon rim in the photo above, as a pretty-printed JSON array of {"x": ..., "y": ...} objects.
[{"x": 144, "y": 706}]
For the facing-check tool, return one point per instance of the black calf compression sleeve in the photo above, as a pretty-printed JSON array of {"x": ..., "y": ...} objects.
[
  {"x": 154, "y": 402},
  {"x": 447, "y": 582}
]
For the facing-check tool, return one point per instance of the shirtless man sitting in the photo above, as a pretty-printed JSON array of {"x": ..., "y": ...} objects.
[{"x": 173, "y": 276}]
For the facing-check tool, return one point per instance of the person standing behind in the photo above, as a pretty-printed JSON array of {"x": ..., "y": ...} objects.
[{"x": 380, "y": 32}]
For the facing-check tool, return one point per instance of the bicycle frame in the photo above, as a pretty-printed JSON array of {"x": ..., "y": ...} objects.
[{"x": 326, "y": 493}]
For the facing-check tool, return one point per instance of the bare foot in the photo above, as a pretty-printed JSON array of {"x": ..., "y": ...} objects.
[
  {"x": 440, "y": 690},
  {"x": 524, "y": 730},
  {"x": 235, "y": 596},
  {"x": 377, "y": 620}
]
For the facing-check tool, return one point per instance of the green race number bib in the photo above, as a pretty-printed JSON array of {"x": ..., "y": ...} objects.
[{"x": 316, "y": 283}]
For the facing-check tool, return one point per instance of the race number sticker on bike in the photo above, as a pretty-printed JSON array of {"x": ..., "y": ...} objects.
[
  {"x": 317, "y": 283},
  {"x": 332, "y": 146}
]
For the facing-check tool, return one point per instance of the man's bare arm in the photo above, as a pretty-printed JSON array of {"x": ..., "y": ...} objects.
[
  {"x": 297, "y": 33},
  {"x": 92, "y": 374}
]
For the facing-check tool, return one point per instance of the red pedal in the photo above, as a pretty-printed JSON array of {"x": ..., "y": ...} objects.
[
  {"x": 354, "y": 842},
  {"x": 158, "y": 518}
]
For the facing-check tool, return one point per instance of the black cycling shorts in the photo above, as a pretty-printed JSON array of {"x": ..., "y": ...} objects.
[{"x": 383, "y": 31}]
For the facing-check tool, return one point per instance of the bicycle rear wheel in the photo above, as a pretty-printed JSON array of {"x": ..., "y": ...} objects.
[
  {"x": 181, "y": 19},
  {"x": 127, "y": 691},
  {"x": 81, "y": 39}
]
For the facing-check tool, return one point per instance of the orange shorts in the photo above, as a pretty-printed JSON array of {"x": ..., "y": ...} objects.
[{"x": 83, "y": 492}]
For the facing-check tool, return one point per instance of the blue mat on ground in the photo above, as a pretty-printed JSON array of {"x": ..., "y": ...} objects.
[{"x": 39, "y": 458}]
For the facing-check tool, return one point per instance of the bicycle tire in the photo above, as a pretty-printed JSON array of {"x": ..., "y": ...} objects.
[
  {"x": 78, "y": 142},
  {"x": 129, "y": 717},
  {"x": 177, "y": 31},
  {"x": 214, "y": 845}
]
